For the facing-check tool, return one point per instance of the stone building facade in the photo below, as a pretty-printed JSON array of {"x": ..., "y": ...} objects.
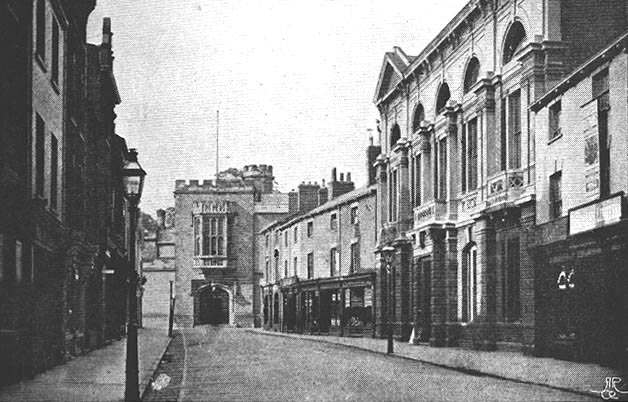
[
  {"x": 318, "y": 263},
  {"x": 57, "y": 243},
  {"x": 217, "y": 280},
  {"x": 457, "y": 170},
  {"x": 580, "y": 247}
]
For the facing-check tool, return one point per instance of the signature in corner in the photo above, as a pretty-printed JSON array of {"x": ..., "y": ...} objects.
[{"x": 611, "y": 392}]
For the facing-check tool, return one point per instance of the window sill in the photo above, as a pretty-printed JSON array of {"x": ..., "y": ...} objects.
[
  {"x": 554, "y": 139},
  {"x": 41, "y": 62}
]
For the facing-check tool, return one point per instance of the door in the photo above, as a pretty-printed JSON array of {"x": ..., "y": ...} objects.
[{"x": 214, "y": 307}]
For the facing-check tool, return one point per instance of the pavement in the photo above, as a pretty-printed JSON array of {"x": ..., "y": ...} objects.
[
  {"x": 98, "y": 375},
  {"x": 581, "y": 378}
]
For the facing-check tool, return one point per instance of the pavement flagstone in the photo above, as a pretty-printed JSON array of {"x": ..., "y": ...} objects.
[{"x": 97, "y": 376}]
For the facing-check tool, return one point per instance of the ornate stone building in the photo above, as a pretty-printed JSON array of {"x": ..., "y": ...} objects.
[
  {"x": 217, "y": 279},
  {"x": 457, "y": 171}
]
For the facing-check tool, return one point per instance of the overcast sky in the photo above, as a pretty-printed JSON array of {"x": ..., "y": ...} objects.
[{"x": 293, "y": 80}]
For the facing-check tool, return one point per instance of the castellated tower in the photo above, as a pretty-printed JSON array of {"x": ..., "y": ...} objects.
[{"x": 259, "y": 176}]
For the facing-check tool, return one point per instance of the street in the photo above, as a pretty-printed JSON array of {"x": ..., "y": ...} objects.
[{"x": 227, "y": 364}]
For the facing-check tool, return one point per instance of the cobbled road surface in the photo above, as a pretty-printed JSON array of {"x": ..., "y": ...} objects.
[{"x": 228, "y": 364}]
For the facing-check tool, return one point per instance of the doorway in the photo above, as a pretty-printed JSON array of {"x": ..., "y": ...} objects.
[{"x": 214, "y": 306}]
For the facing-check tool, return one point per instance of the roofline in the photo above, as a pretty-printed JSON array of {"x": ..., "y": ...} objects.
[
  {"x": 581, "y": 71},
  {"x": 331, "y": 204}
]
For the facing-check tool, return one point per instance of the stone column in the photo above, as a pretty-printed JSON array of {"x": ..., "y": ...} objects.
[
  {"x": 453, "y": 168},
  {"x": 439, "y": 286},
  {"x": 381, "y": 164},
  {"x": 402, "y": 288},
  {"x": 487, "y": 265},
  {"x": 405, "y": 208},
  {"x": 427, "y": 189},
  {"x": 451, "y": 267}
]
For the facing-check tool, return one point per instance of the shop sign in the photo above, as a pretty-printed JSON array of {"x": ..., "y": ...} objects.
[{"x": 599, "y": 214}]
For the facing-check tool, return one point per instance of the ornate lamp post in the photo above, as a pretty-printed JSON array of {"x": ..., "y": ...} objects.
[
  {"x": 388, "y": 253},
  {"x": 133, "y": 181}
]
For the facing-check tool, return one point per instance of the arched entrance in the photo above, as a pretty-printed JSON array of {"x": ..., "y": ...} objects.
[{"x": 213, "y": 306}]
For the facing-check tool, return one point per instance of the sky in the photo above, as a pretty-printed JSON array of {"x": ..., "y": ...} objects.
[{"x": 293, "y": 80}]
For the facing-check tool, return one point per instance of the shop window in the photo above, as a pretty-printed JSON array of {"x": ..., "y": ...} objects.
[
  {"x": 333, "y": 262},
  {"x": 333, "y": 221},
  {"x": 355, "y": 258},
  {"x": 555, "y": 195},
  {"x": 554, "y": 120},
  {"x": 310, "y": 265},
  {"x": 210, "y": 236},
  {"x": 40, "y": 38},
  {"x": 470, "y": 291},
  {"x": 511, "y": 305}
]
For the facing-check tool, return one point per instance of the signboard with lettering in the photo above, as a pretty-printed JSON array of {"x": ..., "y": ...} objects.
[{"x": 601, "y": 213}]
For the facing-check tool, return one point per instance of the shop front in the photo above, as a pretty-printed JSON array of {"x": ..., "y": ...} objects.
[{"x": 581, "y": 285}]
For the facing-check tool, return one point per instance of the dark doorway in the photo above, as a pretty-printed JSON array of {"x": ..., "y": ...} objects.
[
  {"x": 214, "y": 306},
  {"x": 424, "y": 299}
]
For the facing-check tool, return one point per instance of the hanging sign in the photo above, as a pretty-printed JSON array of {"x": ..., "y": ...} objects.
[{"x": 592, "y": 216}]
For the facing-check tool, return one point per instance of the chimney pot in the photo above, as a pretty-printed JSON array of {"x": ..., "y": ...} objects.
[
  {"x": 342, "y": 177},
  {"x": 333, "y": 175},
  {"x": 348, "y": 176}
]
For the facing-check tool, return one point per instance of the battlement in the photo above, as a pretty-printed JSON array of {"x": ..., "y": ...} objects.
[
  {"x": 195, "y": 186},
  {"x": 258, "y": 178},
  {"x": 257, "y": 171}
]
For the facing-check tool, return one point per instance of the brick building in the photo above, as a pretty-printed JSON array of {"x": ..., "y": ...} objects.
[
  {"x": 217, "y": 280},
  {"x": 57, "y": 240},
  {"x": 318, "y": 262},
  {"x": 456, "y": 176},
  {"x": 581, "y": 243}
]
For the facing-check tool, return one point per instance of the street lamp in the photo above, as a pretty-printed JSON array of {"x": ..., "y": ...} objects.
[
  {"x": 388, "y": 253},
  {"x": 133, "y": 181}
]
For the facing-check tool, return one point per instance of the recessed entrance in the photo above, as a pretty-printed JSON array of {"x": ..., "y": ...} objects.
[{"x": 214, "y": 306}]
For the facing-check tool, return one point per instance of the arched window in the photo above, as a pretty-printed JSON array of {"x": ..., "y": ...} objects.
[
  {"x": 472, "y": 74},
  {"x": 395, "y": 135},
  {"x": 443, "y": 97},
  {"x": 419, "y": 116},
  {"x": 469, "y": 296},
  {"x": 514, "y": 41}
]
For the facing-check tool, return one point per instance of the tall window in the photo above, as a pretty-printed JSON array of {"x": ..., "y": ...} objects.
[
  {"x": 443, "y": 97},
  {"x": 285, "y": 268},
  {"x": 514, "y": 130},
  {"x": 554, "y": 120},
  {"x": 441, "y": 170},
  {"x": 40, "y": 38},
  {"x": 470, "y": 300},
  {"x": 469, "y": 156},
  {"x": 600, "y": 92},
  {"x": 296, "y": 234},
  {"x": 354, "y": 215},
  {"x": 295, "y": 266},
  {"x": 310, "y": 229},
  {"x": 310, "y": 266},
  {"x": 393, "y": 194},
  {"x": 417, "y": 179},
  {"x": 210, "y": 235},
  {"x": 285, "y": 238},
  {"x": 333, "y": 262},
  {"x": 395, "y": 135},
  {"x": 511, "y": 304},
  {"x": 419, "y": 116},
  {"x": 472, "y": 74},
  {"x": 55, "y": 52},
  {"x": 513, "y": 42},
  {"x": 355, "y": 258},
  {"x": 267, "y": 272},
  {"x": 40, "y": 139},
  {"x": 555, "y": 196},
  {"x": 54, "y": 169},
  {"x": 333, "y": 221}
]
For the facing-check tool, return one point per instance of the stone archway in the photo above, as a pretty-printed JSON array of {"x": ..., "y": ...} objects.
[{"x": 214, "y": 305}]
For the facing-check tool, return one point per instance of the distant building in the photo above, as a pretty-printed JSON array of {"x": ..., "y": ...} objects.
[
  {"x": 158, "y": 262},
  {"x": 580, "y": 247},
  {"x": 217, "y": 278}
]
